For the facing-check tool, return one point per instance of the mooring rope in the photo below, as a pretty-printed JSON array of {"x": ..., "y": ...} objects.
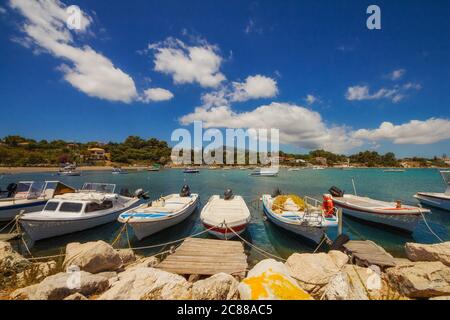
[
  {"x": 262, "y": 251},
  {"x": 428, "y": 226}
]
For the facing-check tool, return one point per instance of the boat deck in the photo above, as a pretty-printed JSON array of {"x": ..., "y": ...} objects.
[
  {"x": 207, "y": 257},
  {"x": 359, "y": 202},
  {"x": 367, "y": 253}
]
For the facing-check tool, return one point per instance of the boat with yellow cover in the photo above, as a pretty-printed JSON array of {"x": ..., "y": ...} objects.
[{"x": 305, "y": 216}]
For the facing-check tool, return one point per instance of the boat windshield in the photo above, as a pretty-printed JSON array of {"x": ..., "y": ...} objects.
[
  {"x": 70, "y": 207},
  {"x": 446, "y": 177},
  {"x": 99, "y": 187},
  {"x": 32, "y": 189}
]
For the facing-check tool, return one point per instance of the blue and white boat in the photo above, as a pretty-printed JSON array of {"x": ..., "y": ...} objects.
[
  {"x": 119, "y": 170},
  {"x": 437, "y": 199},
  {"x": 265, "y": 172},
  {"x": 309, "y": 221},
  {"x": 163, "y": 213},
  {"x": 190, "y": 170},
  {"x": 29, "y": 196}
]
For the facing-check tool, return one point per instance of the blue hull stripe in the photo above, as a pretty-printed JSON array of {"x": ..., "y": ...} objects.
[{"x": 23, "y": 205}]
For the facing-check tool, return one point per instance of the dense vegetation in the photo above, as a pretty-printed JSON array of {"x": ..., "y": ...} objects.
[{"x": 19, "y": 151}]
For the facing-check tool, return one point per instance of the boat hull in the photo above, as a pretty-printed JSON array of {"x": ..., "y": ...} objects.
[
  {"x": 226, "y": 233},
  {"x": 144, "y": 229},
  {"x": 433, "y": 201},
  {"x": 7, "y": 213},
  {"x": 406, "y": 222},
  {"x": 312, "y": 234},
  {"x": 38, "y": 229}
]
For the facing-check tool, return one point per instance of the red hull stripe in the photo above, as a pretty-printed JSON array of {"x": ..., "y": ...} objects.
[
  {"x": 376, "y": 212},
  {"x": 225, "y": 230}
]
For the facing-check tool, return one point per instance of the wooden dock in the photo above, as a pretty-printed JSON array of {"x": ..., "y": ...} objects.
[
  {"x": 367, "y": 253},
  {"x": 207, "y": 257}
]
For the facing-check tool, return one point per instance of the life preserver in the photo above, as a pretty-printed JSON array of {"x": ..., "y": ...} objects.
[{"x": 328, "y": 205}]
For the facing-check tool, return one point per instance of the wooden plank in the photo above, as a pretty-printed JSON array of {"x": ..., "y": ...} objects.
[
  {"x": 207, "y": 257},
  {"x": 369, "y": 253}
]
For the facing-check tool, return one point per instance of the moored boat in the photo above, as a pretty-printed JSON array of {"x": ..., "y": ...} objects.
[
  {"x": 225, "y": 216},
  {"x": 394, "y": 170},
  {"x": 29, "y": 196},
  {"x": 190, "y": 170},
  {"x": 119, "y": 170},
  {"x": 265, "y": 172},
  {"x": 437, "y": 199},
  {"x": 95, "y": 204},
  {"x": 391, "y": 214},
  {"x": 306, "y": 217},
  {"x": 152, "y": 217}
]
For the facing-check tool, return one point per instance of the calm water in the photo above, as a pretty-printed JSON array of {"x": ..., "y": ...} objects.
[{"x": 371, "y": 182}]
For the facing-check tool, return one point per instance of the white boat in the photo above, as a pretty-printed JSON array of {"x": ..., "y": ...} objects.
[
  {"x": 95, "y": 204},
  {"x": 220, "y": 215},
  {"x": 318, "y": 168},
  {"x": 309, "y": 219},
  {"x": 29, "y": 196},
  {"x": 152, "y": 217},
  {"x": 69, "y": 170},
  {"x": 436, "y": 199},
  {"x": 392, "y": 214},
  {"x": 119, "y": 171},
  {"x": 394, "y": 170},
  {"x": 294, "y": 169},
  {"x": 191, "y": 170},
  {"x": 265, "y": 172}
]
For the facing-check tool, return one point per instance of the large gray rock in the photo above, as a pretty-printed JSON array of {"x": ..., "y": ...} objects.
[
  {"x": 148, "y": 284},
  {"x": 10, "y": 260},
  {"x": 313, "y": 271},
  {"x": 220, "y": 286},
  {"x": 421, "y": 279},
  {"x": 143, "y": 262},
  {"x": 270, "y": 280},
  {"x": 93, "y": 257},
  {"x": 62, "y": 285},
  {"x": 127, "y": 256},
  {"x": 429, "y": 252}
]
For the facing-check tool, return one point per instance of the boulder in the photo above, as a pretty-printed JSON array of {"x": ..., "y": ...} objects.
[
  {"x": 313, "y": 271},
  {"x": 421, "y": 279},
  {"x": 62, "y": 285},
  {"x": 270, "y": 280},
  {"x": 76, "y": 296},
  {"x": 148, "y": 284},
  {"x": 359, "y": 283},
  {"x": 220, "y": 286},
  {"x": 10, "y": 260},
  {"x": 429, "y": 252},
  {"x": 143, "y": 262},
  {"x": 127, "y": 256},
  {"x": 112, "y": 276},
  {"x": 92, "y": 257}
]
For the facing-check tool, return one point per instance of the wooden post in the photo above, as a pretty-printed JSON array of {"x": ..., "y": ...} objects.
[{"x": 339, "y": 221}]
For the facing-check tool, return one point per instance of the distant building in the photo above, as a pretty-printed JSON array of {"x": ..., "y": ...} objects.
[{"x": 98, "y": 154}]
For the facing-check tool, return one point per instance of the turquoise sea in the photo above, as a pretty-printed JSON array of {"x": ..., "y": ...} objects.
[{"x": 370, "y": 182}]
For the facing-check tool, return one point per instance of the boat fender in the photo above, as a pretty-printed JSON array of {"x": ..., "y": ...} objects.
[
  {"x": 328, "y": 205},
  {"x": 185, "y": 191},
  {"x": 141, "y": 194},
  {"x": 11, "y": 188},
  {"x": 338, "y": 244},
  {"x": 228, "y": 194}
]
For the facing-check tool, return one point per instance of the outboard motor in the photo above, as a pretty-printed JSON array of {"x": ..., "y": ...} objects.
[
  {"x": 277, "y": 192},
  {"x": 11, "y": 188},
  {"x": 141, "y": 194},
  {"x": 336, "y": 192},
  {"x": 185, "y": 191},
  {"x": 228, "y": 194}
]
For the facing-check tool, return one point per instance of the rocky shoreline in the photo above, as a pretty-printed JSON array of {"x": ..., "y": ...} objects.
[{"x": 97, "y": 271}]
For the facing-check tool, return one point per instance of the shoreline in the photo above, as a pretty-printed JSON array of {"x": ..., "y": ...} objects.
[{"x": 19, "y": 170}]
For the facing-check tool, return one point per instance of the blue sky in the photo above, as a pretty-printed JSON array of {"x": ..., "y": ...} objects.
[{"x": 311, "y": 68}]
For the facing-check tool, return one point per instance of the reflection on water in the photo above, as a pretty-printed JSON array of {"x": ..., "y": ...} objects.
[{"x": 371, "y": 182}]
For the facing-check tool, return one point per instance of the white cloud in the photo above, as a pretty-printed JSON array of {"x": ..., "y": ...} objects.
[
  {"x": 88, "y": 70},
  {"x": 254, "y": 87},
  {"x": 395, "y": 94},
  {"x": 414, "y": 132},
  {"x": 397, "y": 74},
  {"x": 310, "y": 99},
  {"x": 157, "y": 94},
  {"x": 298, "y": 125},
  {"x": 188, "y": 64}
]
